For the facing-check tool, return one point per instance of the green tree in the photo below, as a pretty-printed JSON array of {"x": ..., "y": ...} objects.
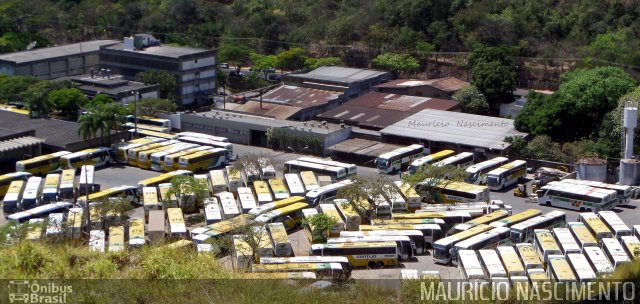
[
  {"x": 222, "y": 79},
  {"x": 263, "y": 63},
  {"x": 396, "y": 63},
  {"x": 110, "y": 116},
  {"x": 364, "y": 188},
  {"x": 68, "y": 101},
  {"x": 314, "y": 63},
  {"x": 152, "y": 106},
  {"x": 292, "y": 59},
  {"x": 321, "y": 224},
  {"x": 493, "y": 72},
  {"x": 36, "y": 99},
  {"x": 185, "y": 188},
  {"x": 428, "y": 178},
  {"x": 619, "y": 46},
  {"x": 165, "y": 80},
  {"x": 235, "y": 54},
  {"x": 471, "y": 100},
  {"x": 88, "y": 126},
  {"x": 12, "y": 88},
  {"x": 100, "y": 99}
]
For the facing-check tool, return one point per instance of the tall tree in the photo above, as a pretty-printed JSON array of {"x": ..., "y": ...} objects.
[
  {"x": 263, "y": 63},
  {"x": 152, "y": 106},
  {"x": 36, "y": 99},
  {"x": 68, "y": 101},
  {"x": 292, "y": 59},
  {"x": 471, "y": 100},
  {"x": 88, "y": 126},
  {"x": 396, "y": 63},
  {"x": 428, "y": 179},
  {"x": 164, "y": 79},
  {"x": 235, "y": 54},
  {"x": 12, "y": 88}
]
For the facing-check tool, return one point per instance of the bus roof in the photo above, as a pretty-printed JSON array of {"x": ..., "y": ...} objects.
[
  {"x": 594, "y": 222},
  {"x": 162, "y": 177},
  {"x": 516, "y": 218},
  {"x": 546, "y": 240},
  {"x": 44, "y": 157},
  {"x": 486, "y": 164},
  {"x": 432, "y": 157},
  {"x": 538, "y": 219},
  {"x": 453, "y": 159},
  {"x": 401, "y": 150},
  {"x": 353, "y": 245},
  {"x": 482, "y": 236},
  {"x": 506, "y": 167},
  {"x": 463, "y": 235},
  {"x": 561, "y": 267},
  {"x": 266, "y": 217},
  {"x": 274, "y": 205},
  {"x": 485, "y": 219}
]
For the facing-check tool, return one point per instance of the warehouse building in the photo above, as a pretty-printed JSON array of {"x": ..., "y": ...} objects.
[{"x": 350, "y": 81}]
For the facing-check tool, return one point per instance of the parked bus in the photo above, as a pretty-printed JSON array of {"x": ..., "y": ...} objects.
[
  {"x": 275, "y": 205},
  {"x": 631, "y": 245},
  {"x": 307, "y": 213},
  {"x": 156, "y": 226},
  {"x": 294, "y": 183},
  {"x": 148, "y": 120},
  {"x": 234, "y": 178},
  {"x": 278, "y": 188},
  {"x": 116, "y": 238},
  {"x": 595, "y": 225},
  {"x": 290, "y": 216},
  {"x": 332, "y": 271},
  {"x": 429, "y": 159},
  {"x": 136, "y": 232},
  {"x": 42, "y": 211},
  {"x": 34, "y": 232},
  {"x": 322, "y": 194},
  {"x": 177, "y": 227},
  {"x": 615, "y": 224},
  {"x": 147, "y": 127},
  {"x": 280, "y": 239},
  {"x": 511, "y": 261},
  {"x": 246, "y": 199},
  {"x": 537, "y": 276},
  {"x": 6, "y": 179},
  {"x": 452, "y": 191},
  {"x": 461, "y": 160},
  {"x": 450, "y": 218},
  {"x": 94, "y": 156},
  {"x": 487, "y": 239},
  {"x": 566, "y": 241},
  {"x": 469, "y": 266},
  {"x": 581, "y": 267},
  {"x": 332, "y": 211},
  {"x": 414, "y": 201},
  {"x": 55, "y": 225},
  {"x": 225, "y": 227},
  {"x": 416, "y": 237},
  {"x": 559, "y": 269},
  {"x": 492, "y": 265},
  {"x": 97, "y": 240},
  {"x": 144, "y": 157},
  {"x": 523, "y": 232},
  {"x": 229, "y": 205},
  {"x": 32, "y": 193},
  {"x": 203, "y": 160},
  {"x": 368, "y": 254},
  {"x": 546, "y": 244},
  {"x": 13, "y": 197},
  {"x": 121, "y": 149},
  {"x": 506, "y": 175},
  {"x": 403, "y": 242},
  {"x": 295, "y": 166},
  {"x": 343, "y": 261},
  {"x": 212, "y": 212},
  {"x": 150, "y": 133},
  {"x": 478, "y": 172},
  {"x": 437, "y": 221},
  {"x": 351, "y": 168},
  {"x": 228, "y": 147},
  {"x": 529, "y": 256},
  {"x": 598, "y": 260},
  {"x": 130, "y": 193},
  {"x": 576, "y": 197},
  {"x": 267, "y": 171},
  {"x": 582, "y": 235},
  {"x": 623, "y": 191},
  {"x": 150, "y": 200},
  {"x": 398, "y": 158},
  {"x": 262, "y": 192},
  {"x": 263, "y": 244},
  {"x": 67, "y": 184},
  {"x": 443, "y": 248},
  {"x": 157, "y": 158},
  {"x": 381, "y": 205},
  {"x": 485, "y": 219},
  {"x": 203, "y": 135},
  {"x": 615, "y": 252},
  {"x": 162, "y": 178},
  {"x": 85, "y": 182},
  {"x": 218, "y": 181},
  {"x": 393, "y": 196},
  {"x": 42, "y": 164},
  {"x": 50, "y": 190},
  {"x": 430, "y": 232},
  {"x": 170, "y": 161},
  {"x": 516, "y": 218},
  {"x": 134, "y": 153},
  {"x": 349, "y": 214},
  {"x": 309, "y": 180}
]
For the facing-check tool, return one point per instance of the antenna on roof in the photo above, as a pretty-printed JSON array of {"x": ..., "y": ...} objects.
[{"x": 31, "y": 45}]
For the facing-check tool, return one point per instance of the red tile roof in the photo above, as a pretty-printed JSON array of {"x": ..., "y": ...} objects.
[{"x": 269, "y": 109}]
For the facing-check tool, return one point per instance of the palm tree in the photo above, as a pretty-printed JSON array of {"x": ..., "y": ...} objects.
[
  {"x": 110, "y": 116},
  {"x": 88, "y": 125}
]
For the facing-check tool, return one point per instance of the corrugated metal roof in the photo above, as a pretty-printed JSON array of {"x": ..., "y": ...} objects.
[
  {"x": 20, "y": 142},
  {"x": 269, "y": 109},
  {"x": 340, "y": 74},
  {"x": 455, "y": 128},
  {"x": 299, "y": 96},
  {"x": 56, "y": 133},
  {"x": 364, "y": 147},
  {"x": 447, "y": 84}
]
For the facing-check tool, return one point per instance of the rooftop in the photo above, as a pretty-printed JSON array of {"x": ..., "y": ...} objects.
[
  {"x": 379, "y": 110},
  {"x": 455, "y": 128},
  {"x": 20, "y": 142},
  {"x": 340, "y": 74},
  {"x": 56, "y": 51},
  {"x": 363, "y": 147},
  {"x": 299, "y": 96},
  {"x": 162, "y": 51},
  {"x": 111, "y": 86},
  {"x": 447, "y": 84},
  {"x": 269, "y": 109},
  {"x": 56, "y": 133}
]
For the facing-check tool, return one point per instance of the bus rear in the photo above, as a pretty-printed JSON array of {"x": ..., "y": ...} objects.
[
  {"x": 332, "y": 211},
  {"x": 67, "y": 184},
  {"x": 280, "y": 240},
  {"x": 234, "y": 178},
  {"x": 12, "y": 198},
  {"x": 247, "y": 199}
]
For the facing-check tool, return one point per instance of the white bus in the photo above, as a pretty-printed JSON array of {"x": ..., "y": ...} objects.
[
  {"x": 351, "y": 168},
  {"x": 32, "y": 193},
  {"x": 429, "y": 159},
  {"x": 595, "y": 225},
  {"x": 405, "y": 247},
  {"x": 485, "y": 219},
  {"x": 529, "y": 256},
  {"x": 576, "y": 197},
  {"x": 631, "y": 245},
  {"x": 393, "y": 196},
  {"x": 396, "y": 159},
  {"x": 506, "y": 175},
  {"x": 75, "y": 223},
  {"x": 350, "y": 215},
  {"x": 157, "y": 158},
  {"x": 417, "y": 237},
  {"x": 546, "y": 244},
  {"x": 212, "y": 212},
  {"x": 320, "y": 195},
  {"x": 234, "y": 178},
  {"x": 42, "y": 164},
  {"x": 202, "y": 135},
  {"x": 170, "y": 161},
  {"x": 294, "y": 183},
  {"x": 443, "y": 248},
  {"x": 262, "y": 192},
  {"x": 566, "y": 241},
  {"x": 116, "y": 238},
  {"x": 295, "y": 166},
  {"x": 559, "y": 269},
  {"x": 492, "y": 265},
  {"x": 382, "y": 206},
  {"x": 583, "y": 236},
  {"x": 598, "y": 260},
  {"x": 489, "y": 239},
  {"x": 332, "y": 211},
  {"x": 309, "y": 180},
  {"x": 42, "y": 211},
  {"x": 229, "y": 205},
  {"x": 177, "y": 227},
  {"x": 85, "y": 182},
  {"x": 150, "y": 200},
  {"x": 470, "y": 267},
  {"x": 94, "y": 156},
  {"x": 218, "y": 181},
  {"x": 278, "y": 188},
  {"x": 97, "y": 240},
  {"x": 624, "y": 192},
  {"x": 413, "y": 199},
  {"x": 478, "y": 172},
  {"x": 13, "y": 197},
  {"x": 615, "y": 224},
  {"x": 343, "y": 261},
  {"x": 246, "y": 199},
  {"x": 67, "y": 184},
  {"x": 50, "y": 189},
  {"x": 267, "y": 171},
  {"x": 207, "y": 142},
  {"x": 462, "y": 160},
  {"x": 523, "y": 232},
  {"x": 615, "y": 252},
  {"x": 511, "y": 261},
  {"x": 581, "y": 267},
  {"x": 280, "y": 239}
]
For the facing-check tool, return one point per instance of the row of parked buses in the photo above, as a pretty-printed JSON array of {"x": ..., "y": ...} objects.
[{"x": 336, "y": 170}]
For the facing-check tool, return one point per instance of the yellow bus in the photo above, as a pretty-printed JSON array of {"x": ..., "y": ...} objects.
[
  {"x": 218, "y": 181},
  {"x": 278, "y": 188},
  {"x": 116, "y": 238},
  {"x": 511, "y": 261},
  {"x": 308, "y": 228},
  {"x": 149, "y": 120},
  {"x": 631, "y": 245},
  {"x": 413, "y": 199},
  {"x": 177, "y": 227},
  {"x": 559, "y": 269},
  {"x": 332, "y": 211},
  {"x": 595, "y": 225},
  {"x": 130, "y": 193},
  {"x": 485, "y": 219},
  {"x": 149, "y": 133},
  {"x": 241, "y": 252},
  {"x": 95, "y": 156},
  {"x": 170, "y": 161},
  {"x": 361, "y": 254},
  {"x": 42, "y": 164},
  {"x": 133, "y": 153},
  {"x": 516, "y": 218},
  {"x": 35, "y": 228},
  {"x": 276, "y": 205},
  {"x": 443, "y": 248},
  {"x": 309, "y": 180},
  {"x": 429, "y": 159},
  {"x": 50, "y": 189},
  {"x": 264, "y": 247},
  {"x": 204, "y": 160},
  {"x": 455, "y": 192},
  {"x": 281, "y": 244},
  {"x": 13, "y": 197},
  {"x": 303, "y": 275},
  {"x": 67, "y": 184},
  {"x": 322, "y": 270},
  {"x": 147, "y": 127},
  {"x": 74, "y": 223},
  {"x": 122, "y": 148},
  {"x": 162, "y": 178},
  {"x": 506, "y": 175},
  {"x": 201, "y": 234},
  {"x": 262, "y": 192},
  {"x": 150, "y": 200},
  {"x": 6, "y": 179},
  {"x": 436, "y": 221},
  {"x": 144, "y": 157},
  {"x": 234, "y": 178},
  {"x": 529, "y": 256},
  {"x": 350, "y": 215},
  {"x": 290, "y": 216},
  {"x": 136, "y": 232},
  {"x": 582, "y": 235},
  {"x": 546, "y": 244}
]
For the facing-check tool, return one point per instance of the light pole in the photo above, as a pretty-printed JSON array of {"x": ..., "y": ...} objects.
[
  {"x": 135, "y": 113},
  {"x": 86, "y": 199}
]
